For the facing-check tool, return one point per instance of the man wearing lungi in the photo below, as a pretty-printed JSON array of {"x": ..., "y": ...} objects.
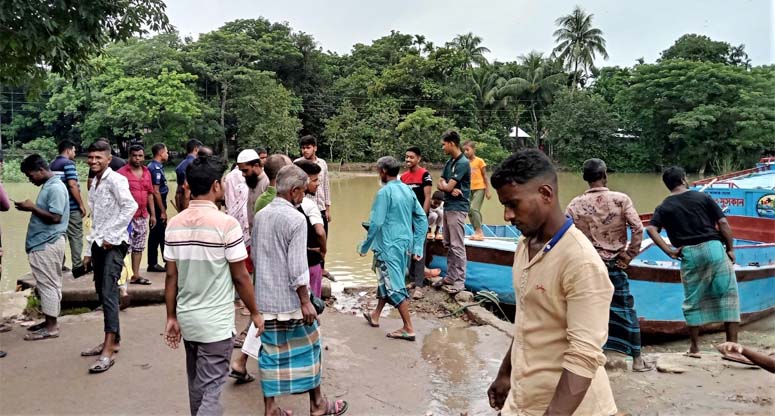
[
  {"x": 604, "y": 216},
  {"x": 397, "y": 226},
  {"x": 290, "y": 358},
  {"x": 701, "y": 238},
  {"x": 45, "y": 244}
]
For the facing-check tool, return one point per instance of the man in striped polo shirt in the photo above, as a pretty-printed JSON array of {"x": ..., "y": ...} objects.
[{"x": 205, "y": 255}]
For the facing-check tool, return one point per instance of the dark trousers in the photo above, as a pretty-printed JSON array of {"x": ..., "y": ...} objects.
[
  {"x": 156, "y": 237},
  {"x": 325, "y": 227},
  {"x": 207, "y": 365},
  {"x": 107, "y": 270}
]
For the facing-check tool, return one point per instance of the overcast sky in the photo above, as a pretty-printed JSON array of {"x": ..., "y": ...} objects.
[{"x": 509, "y": 27}]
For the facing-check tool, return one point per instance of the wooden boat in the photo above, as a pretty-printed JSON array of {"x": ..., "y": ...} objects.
[
  {"x": 749, "y": 192},
  {"x": 655, "y": 279}
]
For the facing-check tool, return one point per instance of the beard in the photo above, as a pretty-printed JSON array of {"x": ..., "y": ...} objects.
[{"x": 251, "y": 181}]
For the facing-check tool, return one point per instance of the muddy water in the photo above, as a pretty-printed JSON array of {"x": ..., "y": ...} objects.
[{"x": 351, "y": 197}]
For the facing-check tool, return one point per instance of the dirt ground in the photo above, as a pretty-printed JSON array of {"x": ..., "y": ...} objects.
[{"x": 446, "y": 372}]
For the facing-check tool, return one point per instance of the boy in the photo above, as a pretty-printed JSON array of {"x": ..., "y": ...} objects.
[
  {"x": 436, "y": 215},
  {"x": 479, "y": 188}
]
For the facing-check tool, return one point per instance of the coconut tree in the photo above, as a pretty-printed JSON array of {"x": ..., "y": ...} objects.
[
  {"x": 578, "y": 42},
  {"x": 485, "y": 85},
  {"x": 470, "y": 45}
]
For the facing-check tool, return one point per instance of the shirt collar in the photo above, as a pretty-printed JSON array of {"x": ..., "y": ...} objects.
[
  {"x": 598, "y": 189},
  {"x": 105, "y": 173},
  {"x": 200, "y": 203}
]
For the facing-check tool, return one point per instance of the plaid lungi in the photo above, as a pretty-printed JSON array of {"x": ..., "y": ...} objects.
[
  {"x": 710, "y": 286},
  {"x": 391, "y": 285},
  {"x": 623, "y": 326},
  {"x": 289, "y": 360}
]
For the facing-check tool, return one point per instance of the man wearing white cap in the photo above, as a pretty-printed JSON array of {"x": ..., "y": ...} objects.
[{"x": 249, "y": 163}]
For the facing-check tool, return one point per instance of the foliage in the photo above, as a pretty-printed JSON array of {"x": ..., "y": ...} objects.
[
  {"x": 423, "y": 128},
  {"x": 470, "y": 47},
  {"x": 693, "y": 47},
  {"x": 578, "y": 42},
  {"x": 44, "y": 146},
  {"x": 36, "y": 34}
]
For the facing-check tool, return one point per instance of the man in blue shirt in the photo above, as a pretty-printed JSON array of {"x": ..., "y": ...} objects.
[
  {"x": 45, "y": 244},
  {"x": 160, "y": 191},
  {"x": 64, "y": 168},
  {"x": 456, "y": 184},
  {"x": 182, "y": 195}
]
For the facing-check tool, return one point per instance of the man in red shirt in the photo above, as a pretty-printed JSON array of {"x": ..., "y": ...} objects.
[{"x": 141, "y": 188}]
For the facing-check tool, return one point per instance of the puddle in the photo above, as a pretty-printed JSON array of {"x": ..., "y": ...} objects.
[{"x": 460, "y": 377}]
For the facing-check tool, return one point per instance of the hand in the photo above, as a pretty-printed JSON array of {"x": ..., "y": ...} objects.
[
  {"x": 83, "y": 210},
  {"x": 308, "y": 310},
  {"x": 25, "y": 205},
  {"x": 729, "y": 348},
  {"x": 676, "y": 253},
  {"x": 86, "y": 262},
  {"x": 623, "y": 261},
  {"x": 499, "y": 391},
  {"x": 731, "y": 255},
  {"x": 416, "y": 257},
  {"x": 456, "y": 192},
  {"x": 487, "y": 194},
  {"x": 258, "y": 322},
  {"x": 152, "y": 221},
  {"x": 172, "y": 333},
  {"x": 106, "y": 245},
  {"x": 328, "y": 214},
  {"x": 164, "y": 216}
]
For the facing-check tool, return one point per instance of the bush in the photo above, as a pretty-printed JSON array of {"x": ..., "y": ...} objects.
[{"x": 44, "y": 146}]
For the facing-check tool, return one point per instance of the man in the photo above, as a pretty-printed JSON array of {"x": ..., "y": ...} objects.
[
  {"x": 309, "y": 149},
  {"x": 273, "y": 165},
  {"x": 316, "y": 234},
  {"x": 397, "y": 226},
  {"x": 64, "y": 168},
  {"x": 235, "y": 194},
  {"x": 702, "y": 239},
  {"x": 199, "y": 294},
  {"x": 263, "y": 155},
  {"x": 45, "y": 244},
  {"x": 160, "y": 192},
  {"x": 455, "y": 183},
  {"x": 112, "y": 208},
  {"x": 555, "y": 363},
  {"x": 249, "y": 163},
  {"x": 603, "y": 216},
  {"x": 420, "y": 181},
  {"x": 116, "y": 162},
  {"x": 140, "y": 186},
  {"x": 182, "y": 194},
  {"x": 289, "y": 362}
]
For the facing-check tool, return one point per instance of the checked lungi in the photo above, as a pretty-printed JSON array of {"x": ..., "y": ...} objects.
[
  {"x": 391, "y": 286},
  {"x": 710, "y": 286},
  {"x": 623, "y": 326},
  {"x": 290, "y": 357}
]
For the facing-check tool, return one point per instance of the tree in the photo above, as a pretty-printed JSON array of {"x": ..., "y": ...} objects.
[
  {"x": 700, "y": 48},
  {"x": 423, "y": 128},
  {"x": 578, "y": 42},
  {"x": 470, "y": 45},
  {"x": 345, "y": 132},
  {"x": 62, "y": 36}
]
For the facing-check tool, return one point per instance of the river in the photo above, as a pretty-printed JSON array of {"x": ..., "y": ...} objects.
[{"x": 351, "y": 196}]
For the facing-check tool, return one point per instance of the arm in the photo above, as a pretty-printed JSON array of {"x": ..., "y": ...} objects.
[
  {"x": 5, "y": 204},
  {"x": 72, "y": 185},
  {"x": 172, "y": 330},
  {"x": 46, "y": 216},
  {"x": 159, "y": 203},
  {"x": 244, "y": 287},
  {"x": 321, "y": 233},
  {"x": 420, "y": 227},
  {"x": 486, "y": 184},
  {"x": 499, "y": 389},
  {"x": 726, "y": 232},
  {"x": 636, "y": 228},
  {"x": 446, "y": 186},
  {"x": 299, "y": 271},
  {"x": 654, "y": 234},
  {"x": 151, "y": 210},
  {"x": 426, "y": 206},
  {"x": 766, "y": 362},
  {"x": 376, "y": 221},
  {"x": 127, "y": 209}
]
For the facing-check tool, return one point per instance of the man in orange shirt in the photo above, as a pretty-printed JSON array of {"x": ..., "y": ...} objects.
[{"x": 479, "y": 188}]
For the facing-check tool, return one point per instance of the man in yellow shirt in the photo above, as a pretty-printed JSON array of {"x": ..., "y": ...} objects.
[{"x": 555, "y": 363}]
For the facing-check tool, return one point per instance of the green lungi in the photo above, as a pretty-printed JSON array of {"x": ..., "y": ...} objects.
[{"x": 710, "y": 286}]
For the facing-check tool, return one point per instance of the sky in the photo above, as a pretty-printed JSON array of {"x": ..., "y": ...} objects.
[{"x": 509, "y": 28}]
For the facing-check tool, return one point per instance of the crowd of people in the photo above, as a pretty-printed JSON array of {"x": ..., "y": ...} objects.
[{"x": 258, "y": 235}]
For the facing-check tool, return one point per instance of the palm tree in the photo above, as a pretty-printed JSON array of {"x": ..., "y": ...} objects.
[
  {"x": 578, "y": 42},
  {"x": 485, "y": 86},
  {"x": 535, "y": 85},
  {"x": 470, "y": 45}
]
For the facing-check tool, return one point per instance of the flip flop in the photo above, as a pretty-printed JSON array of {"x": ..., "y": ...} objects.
[
  {"x": 368, "y": 319},
  {"x": 692, "y": 354},
  {"x": 41, "y": 334},
  {"x": 102, "y": 365},
  {"x": 646, "y": 367},
  {"x": 242, "y": 378},
  {"x": 738, "y": 359},
  {"x": 93, "y": 352},
  {"x": 333, "y": 408},
  {"x": 443, "y": 282},
  {"x": 140, "y": 281},
  {"x": 402, "y": 335},
  {"x": 7, "y": 328}
]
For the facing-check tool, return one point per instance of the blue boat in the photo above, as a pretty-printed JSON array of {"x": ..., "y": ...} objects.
[
  {"x": 749, "y": 193},
  {"x": 655, "y": 278}
]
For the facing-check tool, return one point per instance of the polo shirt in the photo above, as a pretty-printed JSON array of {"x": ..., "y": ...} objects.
[
  {"x": 52, "y": 198},
  {"x": 459, "y": 170}
]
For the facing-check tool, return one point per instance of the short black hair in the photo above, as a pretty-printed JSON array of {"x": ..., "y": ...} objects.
[
  {"x": 202, "y": 172},
  {"x": 192, "y": 144},
  {"x": 308, "y": 140},
  {"x": 310, "y": 168},
  {"x": 158, "y": 147},
  {"x": 451, "y": 136},
  {"x": 470, "y": 143},
  {"x": 101, "y": 145},
  {"x": 260, "y": 150},
  {"x": 594, "y": 170},
  {"x": 416, "y": 150},
  {"x": 33, "y": 163},
  {"x": 522, "y": 167},
  {"x": 273, "y": 165},
  {"x": 65, "y": 145},
  {"x": 136, "y": 148},
  {"x": 438, "y": 195},
  {"x": 673, "y": 177}
]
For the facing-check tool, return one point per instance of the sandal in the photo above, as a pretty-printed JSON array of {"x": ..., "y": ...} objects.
[
  {"x": 242, "y": 378},
  {"x": 692, "y": 354},
  {"x": 41, "y": 334},
  {"x": 333, "y": 408},
  {"x": 102, "y": 365},
  {"x": 7, "y": 328},
  {"x": 140, "y": 281},
  {"x": 368, "y": 319},
  {"x": 443, "y": 282},
  {"x": 36, "y": 327},
  {"x": 93, "y": 352},
  {"x": 401, "y": 335}
]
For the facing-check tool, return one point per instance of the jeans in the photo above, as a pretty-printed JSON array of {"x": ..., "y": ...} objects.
[{"x": 107, "y": 270}]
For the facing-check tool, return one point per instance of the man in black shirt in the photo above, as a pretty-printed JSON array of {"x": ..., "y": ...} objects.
[{"x": 702, "y": 239}]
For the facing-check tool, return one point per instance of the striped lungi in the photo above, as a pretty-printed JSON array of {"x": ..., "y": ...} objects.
[
  {"x": 289, "y": 360},
  {"x": 391, "y": 284},
  {"x": 710, "y": 286},
  {"x": 623, "y": 326}
]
